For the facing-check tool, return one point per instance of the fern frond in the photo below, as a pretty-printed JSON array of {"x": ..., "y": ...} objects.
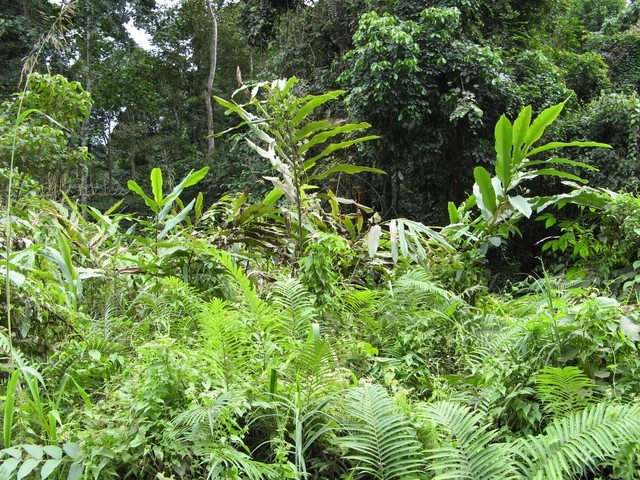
[
  {"x": 354, "y": 301},
  {"x": 259, "y": 312},
  {"x": 467, "y": 449},
  {"x": 420, "y": 287},
  {"x": 209, "y": 416},
  {"x": 571, "y": 446},
  {"x": 381, "y": 440},
  {"x": 227, "y": 462},
  {"x": 227, "y": 343},
  {"x": 296, "y": 304},
  {"x": 315, "y": 368},
  {"x": 564, "y": 390}
]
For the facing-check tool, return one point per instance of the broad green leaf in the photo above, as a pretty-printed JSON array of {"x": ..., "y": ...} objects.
[
  {"x": 521, "y": 205},
  {"x": 273, "y": 196},
  {"x": 552, "y": 172},
  {"x": 560, "y": 161},
  {"x": 348, "y": 169},
  {"x": 503, "y": 134},
  {"x": 485, "y": 186},
  {"x": 156, "y": 185},
  {"x": 134, "y": 187},
  {"x": 9, "y": 404},
  {"x": 539, "y": 125},
  {"x": 311, "y": 128},
  {"x": 26, "y": 468},
  {"x": 230, "y": 106},
  {"x": 520, "y": 129},
  {"x": 326, "y": 135},
  {"x": 193, "y": 178},
  {"x": 75, "y": 471},
  {"x": 552, "y": 145},
  {"x": 49, "y": 467},
  {"x": 373, "y": 240},
  {"x": 35, "y": 451},
  {"x": 53, "y": 451},
  {"x": 338, "y": 146},
  {"x": 176, "y": 220},
  {"x": 72, "y": 449},
  {"x": 8, "y": 467},
  {"x": 313, "y": 101},
  {"x": 454, "y": 215}
]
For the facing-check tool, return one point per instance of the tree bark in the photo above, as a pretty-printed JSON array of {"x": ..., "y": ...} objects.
[
  {"x": 212, "y": 73},
  {"x": 85, "y": 129}
]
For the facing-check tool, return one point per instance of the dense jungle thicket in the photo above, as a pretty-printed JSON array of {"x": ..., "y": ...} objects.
[{"x": 331, "y": 239}]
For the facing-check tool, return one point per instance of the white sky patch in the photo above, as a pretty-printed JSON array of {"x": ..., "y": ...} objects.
[{"x": 142, "y": 38}]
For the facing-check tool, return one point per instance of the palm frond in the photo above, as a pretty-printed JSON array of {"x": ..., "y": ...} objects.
[
  {"x": 577, "y": 443},
  {"x": 564, "y": 390},
  {"x": 381, "y": 441},
  {"x": 467, "y": 447}
]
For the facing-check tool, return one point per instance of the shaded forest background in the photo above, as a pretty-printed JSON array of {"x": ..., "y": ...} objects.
[{"x": 432, "y": 82}]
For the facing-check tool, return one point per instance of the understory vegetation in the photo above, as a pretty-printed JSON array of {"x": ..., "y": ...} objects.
[{"x": 301, "y": 336}]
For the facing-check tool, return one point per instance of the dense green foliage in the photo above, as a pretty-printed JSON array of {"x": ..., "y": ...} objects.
[{"x": 276, "y": 307}]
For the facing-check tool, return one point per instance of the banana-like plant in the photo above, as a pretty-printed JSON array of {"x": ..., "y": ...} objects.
[
  {"x": 517, "y": 161},
  {"x": 498, "y": 197},
  {"x": 294, "y": 141}
]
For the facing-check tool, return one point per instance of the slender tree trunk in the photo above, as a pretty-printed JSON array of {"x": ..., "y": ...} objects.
[
  {"x": 110, "y": 157},
  {"x": 212, "y": 73},
  {"x": 85, "y": 130},
  {"x": 250, "y": 62}
]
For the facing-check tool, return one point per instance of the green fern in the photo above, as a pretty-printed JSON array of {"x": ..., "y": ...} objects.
[
  {"x": 224, "y": 461},
  {"x": 467, "y": 448},
  {"x": 296, "y": 305},
  {"x": 417, "y": 286},
  {"x": 564, "y": 390},
  {"x": 227, "y": 344},
  {"x": 573, "y": 445},
  {"x": 380, "y": 440},
  {"x": 210, "y": 418}
]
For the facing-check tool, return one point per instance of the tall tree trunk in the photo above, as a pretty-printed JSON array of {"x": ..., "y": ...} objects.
[
  {"x": 110, "y": 155},
  {"x": 85, "y": 130},
  {"x": 212, "y": 73}
]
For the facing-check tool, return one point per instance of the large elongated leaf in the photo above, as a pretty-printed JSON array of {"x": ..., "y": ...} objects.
[
  {"x": 485, "y": 186},
  {"x": 552, "y": 145},
  {"x": 313, "y": 101},
  {"x": 134, "y": 187},
  {"x": 338, "y": 146},
  {"x": 348, "y": 169},
  {"x": 520, "y": 129},
  {"x": 539, "y": 125},
  {"x": 503, "y": 136},
  {"x": 326, "y": 135},
  {"x": 312, "y": 128},
  {"x": 176, "y": 220},
  {"x": 156, "y": 185}
]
